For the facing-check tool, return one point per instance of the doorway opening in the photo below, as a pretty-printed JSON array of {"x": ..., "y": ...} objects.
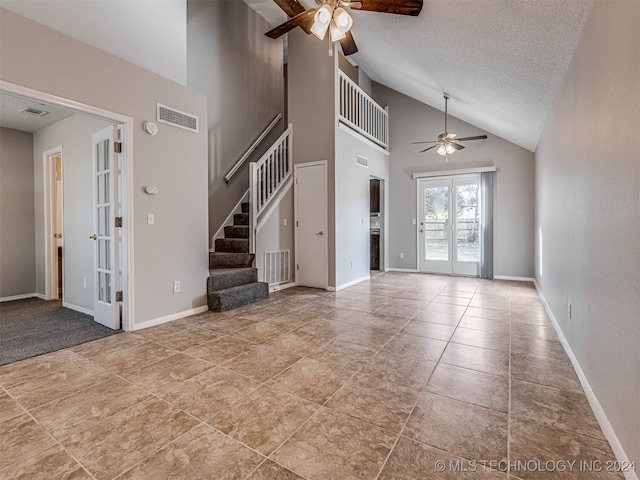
[
  {"x": 54, "y": 224},
  {"x": 376, "y": 225}
]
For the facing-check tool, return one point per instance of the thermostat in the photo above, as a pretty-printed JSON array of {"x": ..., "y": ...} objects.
[{"x": 151, "y": 190}]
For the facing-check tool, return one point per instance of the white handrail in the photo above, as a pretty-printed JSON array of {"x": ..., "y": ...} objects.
[
  {"x": 250, "y": 150},
  {"x": 360, "y": 112},
  {"x": 267, "y": 176}
]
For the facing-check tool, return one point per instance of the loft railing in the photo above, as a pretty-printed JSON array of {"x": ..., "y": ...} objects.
[
  {"x": 251, "y": 149},
  {"x": 267, "y": 176},
  {"x": 358, "y": 111}
]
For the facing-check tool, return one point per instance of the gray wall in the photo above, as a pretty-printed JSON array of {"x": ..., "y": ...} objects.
[
  {"x": 17, "y": 235},
  {"x": 241, "y": 71},
  {"x": 175, "y": 160},
  {"x": 74, "y": 135},
  {"x": 588, "y": 212},
  {"x": 412, "y": 121}
]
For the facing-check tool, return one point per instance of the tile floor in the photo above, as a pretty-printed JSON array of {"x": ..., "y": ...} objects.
[{"x": 405, "y": 376}]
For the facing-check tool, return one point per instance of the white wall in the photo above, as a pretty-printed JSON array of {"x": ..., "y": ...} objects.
[
  {"x": 74, "y": 135},
  {"x": 412, "y": 121},
  {"x": 175, "y": 160},
  {"x": 151, "y": 34},
  {"x": 588, "y": 213},
  {"x": 241, "y": 71},
  {"x": 17, "y": 248}
]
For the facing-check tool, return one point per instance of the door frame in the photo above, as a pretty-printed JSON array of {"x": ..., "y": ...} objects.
[
  {"x": 126, "y": 179},
  {"x": 297, "y": 166},
  {"x": 50, "y": 247}
]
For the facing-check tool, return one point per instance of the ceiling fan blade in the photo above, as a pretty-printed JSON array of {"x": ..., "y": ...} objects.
[
  {"x": 456, "y": 146},
  {"x": 290, "y": 7},
  {"x": 289, "y": 25},
  {"x": 348, "y": 44},
  {"x": 434, "y": 146},
  {"x": 430, "y": 141},
  {"x": 400, "y": 7},
  {"x": 479, "y": 137}
]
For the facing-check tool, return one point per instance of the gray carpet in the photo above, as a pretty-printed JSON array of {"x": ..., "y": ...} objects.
[{"x": 32, "y": 327}]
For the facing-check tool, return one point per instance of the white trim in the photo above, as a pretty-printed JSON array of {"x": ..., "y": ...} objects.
[
  {"x": 350, "y": 284},
  {"x": 71, "y": 306},
  {"x": 264, "y": 216},
  {"x": 127, "y": 260},
  {"x": 515, "y": 279},
  {"x": 284, "y": 286},
  {"x": 21, "y": 297},
  {"x": 237, "y": 209},
  {"x": 445, "y": 173},
  {"x": 346, "y": 128},
  {"x": 406, "y": 270},
  {"x": 51, "y": 274},
  {"x": 169, "y": 318},
  {"x": 601, "y": 416}
]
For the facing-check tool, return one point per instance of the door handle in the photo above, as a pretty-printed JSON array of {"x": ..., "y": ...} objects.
[
  {"x": 93, "y": 237},
  {"x": 320, "y": 233}
]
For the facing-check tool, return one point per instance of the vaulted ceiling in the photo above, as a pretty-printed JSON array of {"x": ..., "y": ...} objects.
[{"x": 501, "y": 61}]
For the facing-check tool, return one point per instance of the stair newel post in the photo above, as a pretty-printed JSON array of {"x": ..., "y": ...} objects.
[{"x": 253, "y": 205}]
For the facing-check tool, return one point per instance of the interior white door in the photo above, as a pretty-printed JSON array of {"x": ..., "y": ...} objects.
[
  {"x": 448, "y": 231},
  {"x": 311, "y": 224},
  {"x": 106, "y": 255}
]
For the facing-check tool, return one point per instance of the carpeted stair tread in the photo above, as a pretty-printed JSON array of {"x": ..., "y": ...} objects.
[
  {"x": 234, "y": 297},
  {"x": 236, "y": 231},
  {"x": 223, "y": 278},
  {"x": 245, "y": 207},
  {"x": 230, "y": 260},
  {"x": 241, "y": 219},
  {"x": 232, "y": 245}
]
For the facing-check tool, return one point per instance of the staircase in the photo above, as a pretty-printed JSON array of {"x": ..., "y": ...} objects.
[{"x": 233, "y": 281}]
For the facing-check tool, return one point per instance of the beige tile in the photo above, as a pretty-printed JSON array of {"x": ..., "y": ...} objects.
[
  {"x": 221, "y": 350},
  {"x": 209, "y": 393},
  {"x": 407, "y": 313},
  {"x": 537, "y": 348},
  {"x": 272, "y": 471},
  {"x": 9, "y": 408},
  {"x": 531, "y": 318},
  {"x": 542, "y": 332},
  {"x": 202, "y": 453},
  {"x": 88, "y": 407},
  {"x": 52, "y": 463},
  {"x": 348, "y": 356},
  {"x": 488, "y": 313},
  {"x": 563, "y": 409},
  {"x": 182, "y": 338},
  {"x": 261, "y": 332},
  {"x": 419, "y": 347},
  {"x": 263, "y": 419},
  {"x": 411, "y": 460},
  {"x": 452, "y": 300},
  {"x": 368, "y": 337},
  {"x": 59, "y": 384},
  {"x": 21, "y": 437},
  {"x": 409, "y": 371},
  {"x": 471, "y": 386},
  {"x": 298, "y": 342},
  {"x": 384, "y": 404},
  {"x": 167, "y": 372},
  {"x": 39, "y": 366},
  {"x": 459, "y": 428},
  {"x": 430, "y": 330},
  {"x": 112, "y": 343},
  {"x": 120, "y": 442},
  {"x": 310, "y": 379},
  {"x": 486, "y": 324},
  {"x": 334, "y": 445},
  {"x": 120, "y": 361},
  {"x": 261, "y": 363},
  {"x": 533, "y": 442},
  {"x": 442, "y": 318},
  {"x": 226, "y": 324},
  {"x": 476, "y": 358},
  {"x": 451, "y": 310},
  {"x": 482, "y": 339},
  {"x": 557, "y": 373}
]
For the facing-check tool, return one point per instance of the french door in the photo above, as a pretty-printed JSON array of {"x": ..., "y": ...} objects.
[{"x": 449, "y": 225}]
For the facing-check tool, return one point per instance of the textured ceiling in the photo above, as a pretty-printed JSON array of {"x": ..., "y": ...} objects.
[
  {"x": 12, "y": 117},
  {"x": 501, "y": 61}
]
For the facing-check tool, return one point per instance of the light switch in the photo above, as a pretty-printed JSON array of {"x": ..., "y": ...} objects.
[
  {"x": 151, "y": 219},
  {"x": 285, "y": 222}
]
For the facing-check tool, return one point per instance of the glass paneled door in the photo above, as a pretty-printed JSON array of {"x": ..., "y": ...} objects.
[{"x": 449, "y": 225}]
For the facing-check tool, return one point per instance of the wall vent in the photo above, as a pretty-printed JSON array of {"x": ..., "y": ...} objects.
[
  {"x": 277, "y": 267},
  {"x": 34, "y": 111},
  {"x": 179, "y": 119},
  {"x": 362, "y": 161}
]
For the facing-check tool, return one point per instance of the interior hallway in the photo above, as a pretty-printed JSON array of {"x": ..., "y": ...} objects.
[{"x": 379, "y": 381}]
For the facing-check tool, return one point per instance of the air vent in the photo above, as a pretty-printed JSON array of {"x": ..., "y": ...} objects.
[
  {"x": 179, "y": 119},
  {"x": 276, "y": 267},
  {"x": 34, "y": 111},
  {"x": 362, "y": 161}
]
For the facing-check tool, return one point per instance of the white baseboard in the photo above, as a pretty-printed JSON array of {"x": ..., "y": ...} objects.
[
  {"x": 406, "y": 270},
  {"x": 284, "y": 286},
  {"x": 77, "y": 308},
  {"x": 598, "y": 411},
  {"x": 347, "y": 285},
  {"x": 169, "y": 318},
  {"x": 21, "y": 297},
  {"x": 515, "y": 279}
]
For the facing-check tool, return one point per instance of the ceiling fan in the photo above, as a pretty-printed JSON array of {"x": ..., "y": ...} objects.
[
  {"x": 446, "y": 142},
  {"x": 331, "y": 16}
]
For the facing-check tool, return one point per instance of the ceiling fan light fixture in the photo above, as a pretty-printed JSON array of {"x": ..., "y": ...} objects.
[
  {"x": 442, "y": 150},
  {"x": 321, "y": 21},
  {"x": 450, "y": 149},
  {"x": 336, "y": 33},
  {"x": 343, "y": 20}
]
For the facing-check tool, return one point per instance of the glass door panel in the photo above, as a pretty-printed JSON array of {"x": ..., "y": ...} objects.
[{"x": 436, "y": 223}]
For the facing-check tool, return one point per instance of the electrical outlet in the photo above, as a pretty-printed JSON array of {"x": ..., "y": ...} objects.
[
  {"x": 401, "y": 254},
  {"x": 413, "y": 220},
  {"x": 85, "y": 282},
  {"x": 569, "y": 310},
  {"x": 176, "y": 286},
  {"x": 285, "y": 222},
  {"x": 353, "y": 264}
]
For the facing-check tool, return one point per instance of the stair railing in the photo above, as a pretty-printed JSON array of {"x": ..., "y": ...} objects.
[
  {"x": 266, "y": 177},
  {"x": 251, "y": 149},
  {"x": 360, "y": 112}
]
